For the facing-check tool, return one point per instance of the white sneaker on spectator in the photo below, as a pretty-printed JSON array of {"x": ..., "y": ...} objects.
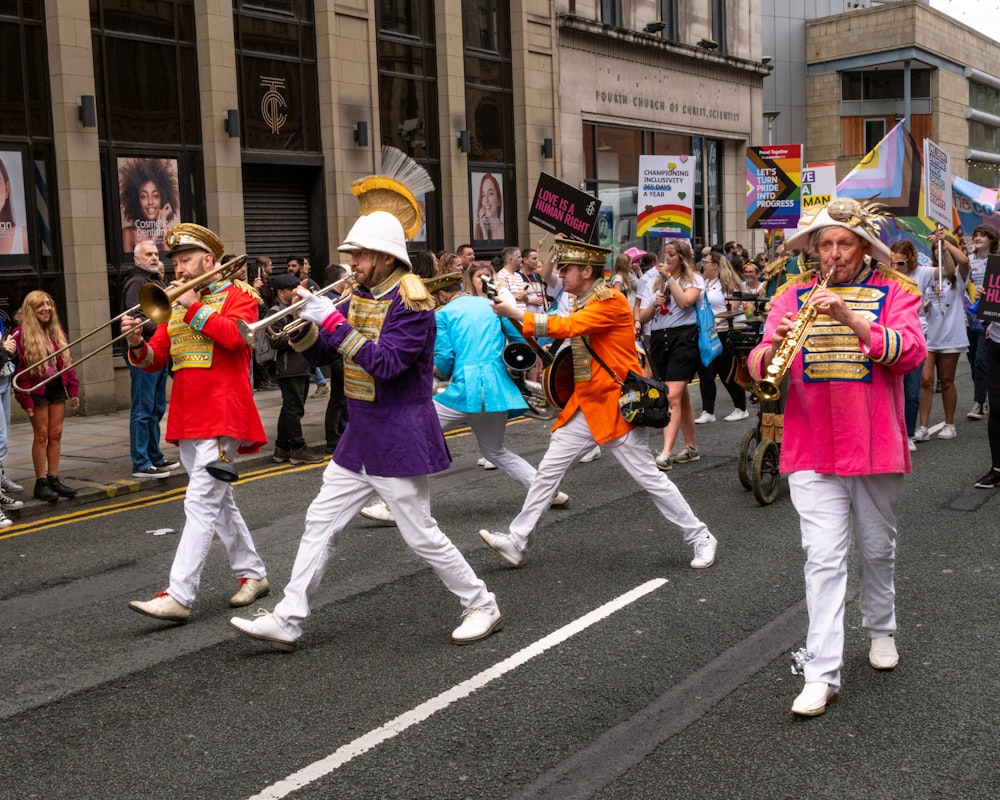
[
  {"x": 7, "y": 485},
  {"x": 703, "y": 417},
  {"x": 736, "y": 415},
  {"x": 912, "y": 444},
  {"x": 921, "y": 434},
  {"x": 947, "y": 432}
]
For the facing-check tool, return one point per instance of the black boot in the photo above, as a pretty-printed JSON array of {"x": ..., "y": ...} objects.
[
  {"x": 43, "y": 491},
  {"x": 60, "y": 488}
]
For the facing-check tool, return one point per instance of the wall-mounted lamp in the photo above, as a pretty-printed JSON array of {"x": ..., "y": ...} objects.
[
  {"x": 765, "y": 60},
  {"x": 361, "y": 134},
  {"x": 232, "y": 123},
  {"x": 655, "y": 27},
  {"x": 547, "y": 148},
  {"x": 708, "y": 44},
  {"x": 464, "y": 143},
  {"x": 87, "y": 111}
]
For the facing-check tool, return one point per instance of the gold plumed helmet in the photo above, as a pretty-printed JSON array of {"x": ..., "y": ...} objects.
[{"x": 395, "y": 190}]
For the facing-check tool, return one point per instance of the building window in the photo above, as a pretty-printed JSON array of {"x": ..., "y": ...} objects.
[
  {"x": 276, "y": 74},
  {"x": 668, "y": 16},
  {"x": 611, "y": 12},
  {"x": 719, "y": 24},
  {"x": 874, "y": 133},
  {"x": 489, "y": 110},
  {"x": 407, "y": 87},
  {"x": 611, "y": 156}
]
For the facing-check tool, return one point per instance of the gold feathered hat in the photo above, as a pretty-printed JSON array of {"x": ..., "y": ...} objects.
[{"x": 864, "y": 218}]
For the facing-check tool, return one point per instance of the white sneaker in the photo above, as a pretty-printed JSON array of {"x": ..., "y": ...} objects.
[
  {"x": 8, "y": 502},
  {"x": 5, "y": 521},
  {"x": 485, "y": 464},
  {"x": 814, "y": 699},
  {"x": 477, "y": 624},
  {"x": 162, "y": 606},
  {"x": 882, "y": 653},
  {"x": 265, "y": 628},
  {"x": 704, "y": 417},
  {"x": 561, "y": 500},
  {"x": 912, "y": 444},
  {"x": 378, "y": 511},
  {"x": 502, "y": 544},
  {"x": 947, "y": 432},
  {"x": 7, "y": 485},
  {"x": 921, "y": 434},
  {"x": 591, "y": 455},
  {"x": 704, "y": 552},
  {"x": 737, "y": 414}
]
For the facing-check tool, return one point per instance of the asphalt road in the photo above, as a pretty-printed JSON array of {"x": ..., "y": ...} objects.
[{"x": 621, "y": 672}]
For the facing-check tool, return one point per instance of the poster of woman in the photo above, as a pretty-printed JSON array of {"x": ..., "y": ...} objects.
[
  {"x": 487, "y": 188},
  {"x": 147, "y": 188},
  {"x": 13, "y": 214}
]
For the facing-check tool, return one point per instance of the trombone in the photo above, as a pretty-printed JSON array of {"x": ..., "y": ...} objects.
[
  {"x": 154, "y": 301},
  {"x": 249, "y": 330}
]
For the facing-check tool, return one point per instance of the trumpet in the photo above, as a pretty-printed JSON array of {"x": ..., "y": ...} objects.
[
  {"x": 769, "y": 386},
  {"x": 154, "y": 301},
  {"x": 249, "y": 330}
]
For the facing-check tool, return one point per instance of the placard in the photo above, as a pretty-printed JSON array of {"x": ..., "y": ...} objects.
[
  {"x": 564, "y": 209},
  {"x": 937, "y": 184},
  {"x": 989, "y": 303},
  {"x": 774, "y": 175},
  {"x": 666, "y": 196}
]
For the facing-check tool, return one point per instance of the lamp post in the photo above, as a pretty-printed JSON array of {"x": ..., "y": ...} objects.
[{"x": 770, "y": 116}]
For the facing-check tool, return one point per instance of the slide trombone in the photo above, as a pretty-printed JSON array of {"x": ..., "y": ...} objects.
[
  {"x": 154, "y": 301},
  {"x": 249, "y": 330}
]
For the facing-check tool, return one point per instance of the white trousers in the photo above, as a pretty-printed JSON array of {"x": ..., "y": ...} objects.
[
  {"x": 574, "y": 439},
  {"x": 210, "y": 509},
  {"x": 489, "y": 429},
  {"x": 342, "y": 495},
  {"x": 831, "y": 508}
]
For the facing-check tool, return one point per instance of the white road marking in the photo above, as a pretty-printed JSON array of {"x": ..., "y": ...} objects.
[{"x": 372, "y": 739}]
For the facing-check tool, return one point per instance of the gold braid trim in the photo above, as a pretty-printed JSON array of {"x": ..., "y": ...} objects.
[
  {"x": 794, "y": 280},
  {"x": 414, "y": 293},
  {"x": 906, "y": 283},
  {"x": 246, "y": 288},
  {"x": 309, "y": 338}
]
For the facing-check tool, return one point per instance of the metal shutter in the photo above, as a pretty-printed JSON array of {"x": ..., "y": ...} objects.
[{"x": 276, "y": 211}]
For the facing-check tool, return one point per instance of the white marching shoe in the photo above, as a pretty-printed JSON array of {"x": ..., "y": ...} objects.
[{"x": 814, "y": 698}]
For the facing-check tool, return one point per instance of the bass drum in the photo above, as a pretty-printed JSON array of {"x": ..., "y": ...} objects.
[{"x": 557, "y": 379}]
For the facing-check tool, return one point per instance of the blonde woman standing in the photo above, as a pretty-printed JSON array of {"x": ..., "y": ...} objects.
[{"x": 38, "y": 336}]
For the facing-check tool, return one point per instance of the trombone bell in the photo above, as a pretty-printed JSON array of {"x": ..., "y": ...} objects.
[{"x": 156, "y": 302}]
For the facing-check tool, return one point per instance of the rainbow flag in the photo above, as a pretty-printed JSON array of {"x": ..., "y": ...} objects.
[{"x": 891, "y": 174}]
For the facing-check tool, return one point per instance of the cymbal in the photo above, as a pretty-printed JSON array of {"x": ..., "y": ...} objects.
[{"x": 736, "y": 312}]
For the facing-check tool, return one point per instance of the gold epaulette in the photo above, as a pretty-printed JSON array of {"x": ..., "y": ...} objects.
[
  {"x": 795, "y": 280},
  {"x": 774, "y": 268},
  {"x": 906, "y": 283},
  {"x": 603, "y": 292},
  {"x": 243, "y": 286},
  {"x": 414, "y": 293}
]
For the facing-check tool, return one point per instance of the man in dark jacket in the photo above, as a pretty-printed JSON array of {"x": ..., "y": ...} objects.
[
  {"x": 149, "y": 390},
  {"x": 293, "y": 380}
]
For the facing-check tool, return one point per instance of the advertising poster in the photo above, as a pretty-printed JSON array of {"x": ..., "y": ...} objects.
[
  {"x": 666, "y": 196},
  {"x": 774, "y": 176},
  {"x": 564, "y": 209},
  {"x": 13, "y": 210},
  {"x": 487, "y": 201},
  {"x": 937, "y": 184},
  {"x": 150, "y": 202}
]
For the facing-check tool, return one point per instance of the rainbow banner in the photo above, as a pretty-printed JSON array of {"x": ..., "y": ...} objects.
[
  {"x": 666, "y": 196},
  {"x": 774, "y": 186}
]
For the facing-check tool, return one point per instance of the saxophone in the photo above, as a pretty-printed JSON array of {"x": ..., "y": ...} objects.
[{"x": 769, "y": 386}]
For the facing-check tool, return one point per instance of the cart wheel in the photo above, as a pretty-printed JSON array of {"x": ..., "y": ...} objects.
[
  {"x": 744, "y": 458},
  {"x": 766, "y": 477}
]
